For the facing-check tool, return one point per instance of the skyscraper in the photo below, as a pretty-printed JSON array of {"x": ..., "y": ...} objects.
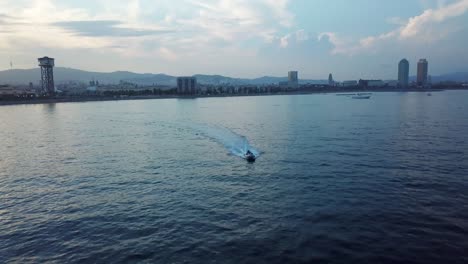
[
  {"x": 187, "y": 86},
  {"x": 422, "y": 72},
  {"x": 331, "y": 82},
  {"x": 293, "y": 79},
  {"x": 403, "y": 73}
]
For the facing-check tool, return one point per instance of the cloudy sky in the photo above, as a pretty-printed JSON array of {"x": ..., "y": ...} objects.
[{"x": 238, "y": 38}]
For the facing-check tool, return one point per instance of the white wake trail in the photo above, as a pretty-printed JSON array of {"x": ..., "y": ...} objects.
[{"x": 236, "y": 144}]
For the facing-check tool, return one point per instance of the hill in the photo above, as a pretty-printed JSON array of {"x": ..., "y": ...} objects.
[
  {"x": 61, "y": 75},
  {"x": 449, "y": 77}
]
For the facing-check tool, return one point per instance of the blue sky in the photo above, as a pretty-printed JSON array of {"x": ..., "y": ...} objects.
[{"x": 239, "y": 38}]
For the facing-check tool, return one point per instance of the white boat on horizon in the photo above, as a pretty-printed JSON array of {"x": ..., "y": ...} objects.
[{"x": 361, "y": 97}]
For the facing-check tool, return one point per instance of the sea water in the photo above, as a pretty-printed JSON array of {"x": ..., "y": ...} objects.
[{"x": 338, "y": 180}]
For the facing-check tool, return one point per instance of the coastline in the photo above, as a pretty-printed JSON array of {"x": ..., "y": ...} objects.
[{"x": 154, "y": 97}]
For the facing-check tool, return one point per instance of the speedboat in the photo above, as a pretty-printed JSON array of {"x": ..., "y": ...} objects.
[{"x": 249, "y": 156}]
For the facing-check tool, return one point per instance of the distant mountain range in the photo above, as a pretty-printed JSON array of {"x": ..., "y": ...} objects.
[{"x": 62, "y": 75}]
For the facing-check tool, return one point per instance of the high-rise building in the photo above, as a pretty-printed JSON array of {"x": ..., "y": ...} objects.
[
  {"x": 423, "y": 67},
  {"x": 403, "y": 73},
  {"x": 187, "y": 86},
  {"x": 331, "y": 82},
  {"x": 293, "y": 79}
]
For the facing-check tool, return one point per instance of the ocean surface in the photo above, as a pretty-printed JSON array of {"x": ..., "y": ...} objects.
[{"x": 337, "y": 180}]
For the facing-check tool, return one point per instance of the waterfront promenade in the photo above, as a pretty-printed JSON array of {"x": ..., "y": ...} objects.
[{"x": 94, "y": 98}]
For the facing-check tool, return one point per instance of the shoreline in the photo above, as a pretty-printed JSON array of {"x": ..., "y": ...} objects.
[{"x": 155, "y": 97}]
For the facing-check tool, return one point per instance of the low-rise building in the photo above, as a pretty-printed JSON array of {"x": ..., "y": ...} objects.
[
  {"x": 13, "y": 91},
  {"x": 393, "y": 84},
  {"x": 350, "y": 83},
  {"x": 284, "y": 85},
  {"x": 371, "y": 83}
]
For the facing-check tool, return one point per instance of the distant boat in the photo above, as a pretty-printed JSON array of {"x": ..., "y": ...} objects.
[
  {"x": 429, "y": 94},
  {"x": 362, "y": 97}
]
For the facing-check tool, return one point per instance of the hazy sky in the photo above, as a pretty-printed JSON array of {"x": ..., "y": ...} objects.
[{"x": 238, "y": 38}]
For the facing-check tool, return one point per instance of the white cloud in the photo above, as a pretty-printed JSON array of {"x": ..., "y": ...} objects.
[
  {"x": 280, "y": 10},
  {"x": 202, "y": 25},
  {"x": 427, "y": 27},
  {"x": 369, "y": 42},
  {"x": 340, "y": 45},
  {"x": 235, "y": 20},
  {"x": 302, "y": 35},
  {"x": 418, "y": 24},
  {"x": 284, "y": 41},
  {"x": 168, "y": 54},
  {"x": 397, "y": 21}
]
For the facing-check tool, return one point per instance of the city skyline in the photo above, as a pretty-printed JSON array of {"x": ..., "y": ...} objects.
[
  {"x": 403, "y": 78},
  {"x": 236, "y": 38}
]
